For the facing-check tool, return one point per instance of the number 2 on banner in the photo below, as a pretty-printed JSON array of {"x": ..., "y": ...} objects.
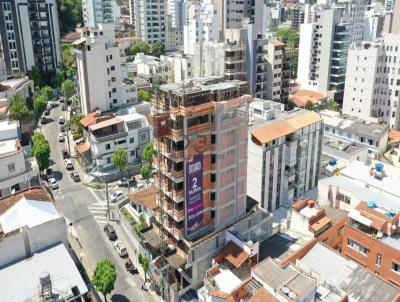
[{"x": 194, "y": 182}]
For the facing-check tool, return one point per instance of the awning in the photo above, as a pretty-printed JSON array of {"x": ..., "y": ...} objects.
[
  {"x": 83, "y": 148},
  {"x": 234, "y": 254},
  {"x": 79, "y": 41},
  {"x": 318, "y": 225},
  {"x": 356, "y": 215}
]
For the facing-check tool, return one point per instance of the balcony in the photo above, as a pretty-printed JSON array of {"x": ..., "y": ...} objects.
[
  {"x": 201, "y": 128},
  {"x": 178, "y": 233},
  {"x": 175, "y": 135}
]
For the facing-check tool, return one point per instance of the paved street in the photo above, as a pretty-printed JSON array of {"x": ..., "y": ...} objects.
[{"x": 86, "y": 209}]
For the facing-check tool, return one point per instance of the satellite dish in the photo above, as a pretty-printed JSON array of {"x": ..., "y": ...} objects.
[
  {"x": 292, "y": 295},
  {"x": 285, "y": 290}
]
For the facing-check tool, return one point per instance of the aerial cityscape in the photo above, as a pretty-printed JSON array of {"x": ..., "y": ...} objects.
[{"x": 200, "y": 150}]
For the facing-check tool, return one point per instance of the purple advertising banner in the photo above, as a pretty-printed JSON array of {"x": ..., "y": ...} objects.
[{"x": 194, "y": 194}]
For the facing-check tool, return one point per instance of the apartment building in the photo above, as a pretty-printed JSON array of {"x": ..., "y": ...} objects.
[
  {"x": 284, "y": 158},
  {"x": 23, "y": 87},
  {"x": 96, "y": 12},
  {"x": 29, "y": 35},
  {"x": 182, "y": 66},
  {"x": 104, "y": 134},
  {"x": 19, "y": 171},
  {"x": 349, "y": 130},
  {"x": 324, "y": 44},
  {"x": 200, "y": 140},
  {"x": 201, "y": 25},
  {"x": 373, "y": 81},
  {"x": 150, "y": 19},
  {"x": 297, "y": 18},
  {"x": 374, "y": 19},
  {"x": 153, "y": 68},
  {"x": 278, "y": 72},
  {"x": 101, "y": 77}
]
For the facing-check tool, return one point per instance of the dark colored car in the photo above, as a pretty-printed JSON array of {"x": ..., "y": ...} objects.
[
  {"x": 43, "y": 120},
  {"x": 110, "y": 232},
  {"x": 75, "y": 176},
  {"x": 65, "y": 154},
  {"x": 49, "y": 173},
  {"x": 47, "y": 112}
]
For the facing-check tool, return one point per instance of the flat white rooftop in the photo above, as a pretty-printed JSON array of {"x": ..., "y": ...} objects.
[
  {"x": 20, "y": 281},
  {"x": 8, "y": 146},
  {"x": 226, "y": 281},
  {"x": 27, "y": 213}
]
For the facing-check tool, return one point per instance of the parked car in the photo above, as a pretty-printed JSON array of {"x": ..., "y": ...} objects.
[
  {"x": 62, "y": 128},
  {"x": 121, "y": 248},
  {"x": 75, "y": 176},
  {"x": 49, "y": 173},
  {"x": 49, "y": 106},
  {"x": 118, "y": 195},
  {"x": 47, "y": 112},
  {"x": 65, "y": 107},
  {"x": 110, "y": 232},
  {"x": 43, "y": 120},
  {"x": 65, "y": 154},
  {"x": 61, "y": 120},
  {"x": 53, "y": 183},
  {"x": 124, "y": 182},
  {"x": 61, "y": 137},
  {"x": 68, "y": 164}
]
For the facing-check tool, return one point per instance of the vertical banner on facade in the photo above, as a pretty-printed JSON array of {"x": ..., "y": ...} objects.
[{"x": 194, "y": 194}]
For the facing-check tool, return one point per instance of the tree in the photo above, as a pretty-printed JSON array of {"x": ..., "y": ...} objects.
[
  {"x": 145, "y": 172},
  {"x": 157, "y": 49},
  {"x": 48, "y": 92},
  {"x": 140, "y": 225},
  {"x": 141, "y": 47},
  {"x": 144, "y": 262},
  {"x": 36, "y": 76},
  {"x": 67, "y": 57},
  {"x": 67, "y": 88},
  {"x": 288, "y": 36},
  {"x": 41, "y": 151},
  {"x": 143, "y": 95},
  {"x": 309, "y": 106},
  {"x": 39, "y": 105},
  {"x": 120, "y": 159},
  {"x": 104, "y": 277},
  {"x": 148, "y": 152},
  {"x": 19, "y": 110},
  {"x": 70, "y": 14},
  {"x": 57, "y": 79}
]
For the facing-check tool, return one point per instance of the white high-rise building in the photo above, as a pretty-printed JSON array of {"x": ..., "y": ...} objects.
[
  {"x": 373, "y": 81},
  {"x": 324, "y": 45},
  {"x": 150, "y": 19},
  {"x": 96, "y": 12},
  {"x": 101, "y": 78},
  {"x": 373, "y": 21},
  {"x": 284, "y": 158},
  {"x": 202, "y": 25}
]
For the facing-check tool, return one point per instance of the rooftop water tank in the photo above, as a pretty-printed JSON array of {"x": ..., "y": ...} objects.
[
  {"x": 372, "y": 204},
  {"x": 379, "y": 167},
  {"x": 332, "y": 161}
]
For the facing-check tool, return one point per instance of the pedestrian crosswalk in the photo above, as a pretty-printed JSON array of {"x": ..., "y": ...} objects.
[{"x": 99, "y": 212}]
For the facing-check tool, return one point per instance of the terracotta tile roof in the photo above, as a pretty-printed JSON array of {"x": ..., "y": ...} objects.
[
  {"x": 88, "y": 119},
  {"x": 146, "y": 197},
  {"x": 262, "y": 295},
  {"x": 72, "y": 36},
  {"x": 218, "y": 294},
  {"x": 272, "y": 131},
  {"x": 106, "y": 123},
  {"x": 281, "y": 128},
  {"x": 33, "y": 193},
  {"x": 82, "y": 148},
  {"x": 301, "y": 97},
  {"x": 277, "y": 43},
  {"x": 234, "y": 254},
  {"x": 394, "y": 136},
  {"x": 319, "y": 224}
]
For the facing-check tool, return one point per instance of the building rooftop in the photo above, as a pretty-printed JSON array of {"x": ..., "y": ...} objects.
[
  {"x": 282, "y": 127},
  {"x": 302, "y": 97},
  {"x": 32, "y": 193},
  {"x": 353, "y": 125},
  {"x": 105, "y": 123},
  {"x": 14, "y": 83},
  {"x": 234, "y": 254},
  {"x": 28, "y": 213},
  {"x": 9, "y": 146},
  {"x": 20, "y": 281},
  {"x": 145, "y": 197},
  {"x": 362, "y": 192},
  {"x": 282, "y": 278},
  {"x": 226, "y": 281},
  {"x": 262, "y": 295},
  {"x": 346, "y": 275},
  {"x": 8, "y": 125},
  {"x": 277, "y": 43},
  {"x": 389, "y": 184}
]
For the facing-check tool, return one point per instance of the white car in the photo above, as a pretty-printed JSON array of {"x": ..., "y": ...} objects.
[
  {"x": 61, "y": 120},
  {"x": 49, "y": 106},
  {"x": 118, "y": 195},
  {"x": 121, "y": 248},
  {"x": 68, "y": 164},
  {"x": 53, "y": 183},
  {"x": 61, "y": 137}
]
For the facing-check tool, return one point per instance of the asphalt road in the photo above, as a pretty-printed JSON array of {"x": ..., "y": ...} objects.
[{"x": 85, "y": 208}]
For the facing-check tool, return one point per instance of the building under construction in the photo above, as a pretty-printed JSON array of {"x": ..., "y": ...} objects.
[{"x": 200, "y": 139}]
